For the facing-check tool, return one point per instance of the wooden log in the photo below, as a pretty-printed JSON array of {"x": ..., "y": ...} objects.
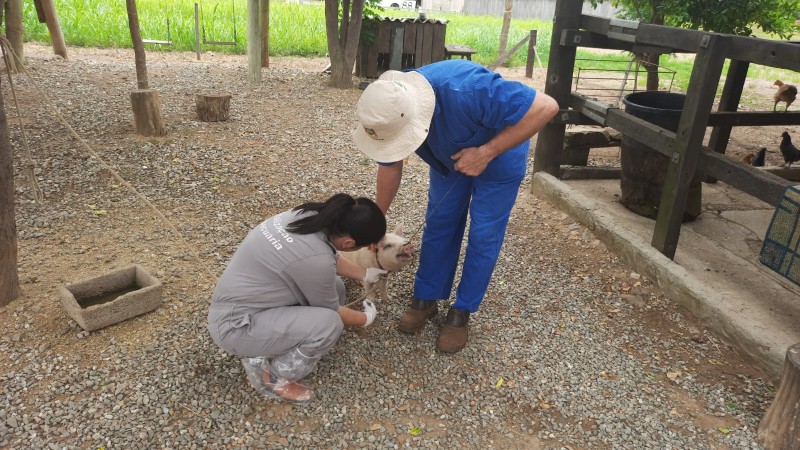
[
  {"x": 213, "y": 107},
  {"x": 780, "y": 427},
  {"x": 147, "y": 112}
]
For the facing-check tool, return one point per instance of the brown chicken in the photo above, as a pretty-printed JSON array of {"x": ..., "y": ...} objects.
[
  {"x": 786, "y": 93},
  {"x": 748, "y": 158}
]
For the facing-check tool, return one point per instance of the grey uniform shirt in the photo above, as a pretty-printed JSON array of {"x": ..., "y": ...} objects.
[{"x": 273, "y": 267}]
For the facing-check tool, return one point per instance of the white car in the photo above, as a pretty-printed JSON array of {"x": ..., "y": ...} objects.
[{"x": 403, "y": 4}]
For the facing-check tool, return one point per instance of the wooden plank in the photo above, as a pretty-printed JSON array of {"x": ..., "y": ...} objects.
[
  {"x": 729, "y": 101},
  {"x": 410, "y": 39},
  {"x": 547, "y": 152},
  {"x": 384, "y": 36},
  {"x": 437, "y": 46},
  {"x": 397, "y": 43},
  {"x": 760, "y": 118},
  {"x": 759, "y": 183},
  {"x": 504, "y": 57},
  {"x": 427, "y": 43},
  {"x": 688, "y": 140},
  {"x": 589, "y": 173},
  {"x": 779, "y": 54},
  {"x": 418, "y": 46}
]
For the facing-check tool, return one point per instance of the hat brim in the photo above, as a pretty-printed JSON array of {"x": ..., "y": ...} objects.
[{"x": 414, "y": 134}]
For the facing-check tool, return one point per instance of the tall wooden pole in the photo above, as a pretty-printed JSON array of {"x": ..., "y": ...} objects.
[
  {"x": 253, "y": 42},
  {"x": 14, "y": 33},
  {"x": 138, "y": 46},
  {"x": 54, "y": 27},
  {"x": 550, "y": 143},
  {"x": 506, "y": 26},
  {"x": 9, "y": 278},
  {"x": 264, "y": 25}
]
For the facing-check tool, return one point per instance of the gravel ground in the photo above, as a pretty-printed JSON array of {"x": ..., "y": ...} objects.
[{"x": 571, "y": 349}]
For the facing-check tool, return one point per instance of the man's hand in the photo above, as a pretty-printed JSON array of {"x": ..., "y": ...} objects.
[
  {"x": 373, "y": 275},
  {"x": 370, "y": 310},
  {"x": 472, "y": 161}
]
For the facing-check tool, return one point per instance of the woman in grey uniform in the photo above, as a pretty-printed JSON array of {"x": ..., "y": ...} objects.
[{"x": 280, "y": 302}]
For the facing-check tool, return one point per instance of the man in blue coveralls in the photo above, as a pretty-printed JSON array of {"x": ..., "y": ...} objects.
[{"x": 473, "y": 128}]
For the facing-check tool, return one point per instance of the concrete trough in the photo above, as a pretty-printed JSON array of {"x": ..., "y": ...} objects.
[{"x": 111, "y": 298}]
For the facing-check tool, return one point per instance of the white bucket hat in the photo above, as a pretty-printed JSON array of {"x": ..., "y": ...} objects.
[{"x": 395, "y": 114}]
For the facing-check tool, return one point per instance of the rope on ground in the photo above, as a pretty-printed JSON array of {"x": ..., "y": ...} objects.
[{"x": 7, "y": 47}]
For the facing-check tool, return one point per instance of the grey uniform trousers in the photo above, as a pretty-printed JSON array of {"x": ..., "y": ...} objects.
[{"x": 276, "y": 331}]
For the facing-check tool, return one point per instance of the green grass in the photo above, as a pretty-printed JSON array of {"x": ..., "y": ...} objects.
[
  {"x": 295, "y": 29},
  {"x": 299, "y": 30}
]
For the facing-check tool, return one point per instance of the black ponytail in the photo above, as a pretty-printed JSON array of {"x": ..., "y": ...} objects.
[{"x": 342, "y": 215}]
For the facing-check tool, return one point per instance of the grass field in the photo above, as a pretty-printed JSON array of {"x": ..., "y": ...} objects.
[{"x": 299, "y": 30}]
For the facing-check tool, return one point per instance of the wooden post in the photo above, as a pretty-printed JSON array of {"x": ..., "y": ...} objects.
[
  {"x": 728, "y": 101},
  {"x": 780, "y": 427},
  {"x": 197, "y": 30},
  {"x": 54, "y": 27},
  {"x": 9, "y": 277},
  {"x": 145, "y": 102},
  {"x": 531, "y": 55},
  {"x": 688, "y": 140},
  {"x": 549, "y": 145},
  {"x": 15, "y": 34},
  {"x": 263, "y": 21},
  {"x": 253, "y": 42},
  {"x": 147, "y": 112},
  {"x": 506, "y": 25},
  {"x": 213, "y": 107}
]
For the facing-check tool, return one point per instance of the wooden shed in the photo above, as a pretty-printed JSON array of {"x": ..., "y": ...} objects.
[{"x": 400, "y": 43}]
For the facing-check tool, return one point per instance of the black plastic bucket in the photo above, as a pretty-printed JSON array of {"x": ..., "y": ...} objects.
[
  {"x": 660, "y": 108},
  {"x": 643, "y": 168}
]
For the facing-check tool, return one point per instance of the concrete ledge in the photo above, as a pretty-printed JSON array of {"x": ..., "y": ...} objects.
[
  {"x": 111, "y": 298},
  {"x": 760, "y": 321}
]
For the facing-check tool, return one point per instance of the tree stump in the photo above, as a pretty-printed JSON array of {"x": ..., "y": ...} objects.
[
  {"x": 147, "y": 112},
  {"x": 780, "y": 427},
  {"x": 213, "y": 107}
]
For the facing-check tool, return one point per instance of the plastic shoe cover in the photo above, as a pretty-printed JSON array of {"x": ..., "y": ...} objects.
[
  {"x": 255, "y": 369},
  {"x": 280, "y": 389},
  {"x": 293, "y": 391},
  {"x": 293, "y": 365}
]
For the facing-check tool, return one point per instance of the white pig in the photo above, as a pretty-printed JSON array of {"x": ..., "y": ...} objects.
[{"x": 392, "y": 253}]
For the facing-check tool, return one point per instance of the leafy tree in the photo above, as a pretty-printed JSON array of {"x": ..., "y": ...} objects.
[
  {"x": 738, "y": 17},
  {"x": 343, "y": 26},
  {"x": 348, "y": 22}
]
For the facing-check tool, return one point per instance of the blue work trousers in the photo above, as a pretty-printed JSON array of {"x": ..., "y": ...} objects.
[{"x": 488, "y": 198}]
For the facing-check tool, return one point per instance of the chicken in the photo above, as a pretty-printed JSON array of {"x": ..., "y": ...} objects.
[
  {"x": 790, "y": 153},
  {"x": 748, "y": 159},
  {"x": 786, "y": 93},
  {"x": 759, "y": 159}
]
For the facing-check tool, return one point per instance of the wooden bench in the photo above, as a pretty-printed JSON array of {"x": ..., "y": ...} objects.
[{"x": 463, "y": 51}]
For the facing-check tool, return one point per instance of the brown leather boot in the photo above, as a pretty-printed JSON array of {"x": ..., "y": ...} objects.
[
  {"x": 453, "y": 336},
  {"x": 413, "y": 320}
]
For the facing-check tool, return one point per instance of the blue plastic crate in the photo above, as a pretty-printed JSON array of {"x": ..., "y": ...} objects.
[{"x": 781, "y": 249}]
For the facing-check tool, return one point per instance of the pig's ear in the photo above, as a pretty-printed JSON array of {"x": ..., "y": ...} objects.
[{"x": 398, "y": 230}]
